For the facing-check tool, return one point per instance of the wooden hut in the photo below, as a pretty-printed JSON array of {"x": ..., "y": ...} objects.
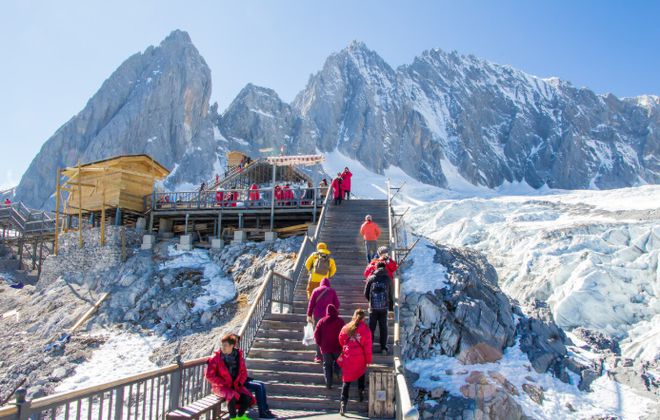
[{"x": 119, "y": 182}]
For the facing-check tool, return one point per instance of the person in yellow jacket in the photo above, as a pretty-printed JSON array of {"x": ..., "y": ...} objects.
[{"x": 319, "y": 265}]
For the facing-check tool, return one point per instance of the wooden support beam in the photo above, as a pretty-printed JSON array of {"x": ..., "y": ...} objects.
[
  {"x": 57, "y": 211},
  {"x": 103, "y": 217},
  {"x": 89, "y": 313},
  {"x": 80, "y": 232}
]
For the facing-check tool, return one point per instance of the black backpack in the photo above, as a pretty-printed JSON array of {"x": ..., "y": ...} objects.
[{"x": 378, "y": 295}]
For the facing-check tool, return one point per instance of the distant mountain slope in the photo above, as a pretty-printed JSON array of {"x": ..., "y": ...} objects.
[{"x": 445, "y": 115}]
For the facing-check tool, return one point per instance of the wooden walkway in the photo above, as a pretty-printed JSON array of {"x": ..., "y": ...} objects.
[{"x": 295, "y": 381}]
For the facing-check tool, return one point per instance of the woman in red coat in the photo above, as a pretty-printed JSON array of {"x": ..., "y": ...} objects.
[
  {"x": 254, "y": 193},
  {"x": 337, "y": 188},
  {"x": 227, "y": 374},
  {"x": 346, "y": 182},
  {"x": 355, "y": 339}
]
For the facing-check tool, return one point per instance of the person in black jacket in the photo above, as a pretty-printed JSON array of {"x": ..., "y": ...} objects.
[{"x": 378, "y": 291}]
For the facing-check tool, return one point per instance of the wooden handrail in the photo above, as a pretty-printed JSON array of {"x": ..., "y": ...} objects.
[
  {"x": 95, "y": 389},
  {"x": 8, "y": 410},
  {"x": 282, "y": 276},
  {"x": 260, "y": 293}
]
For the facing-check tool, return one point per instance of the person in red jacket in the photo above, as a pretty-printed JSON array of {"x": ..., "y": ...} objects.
[
  {"x": 219, "y": 198},
  {"x": 383, "y": 255},
  {"x": 321, "y": 297},
  {"x": 227, "y": 374},
  {"x": 287, "y": 195},
  {"x": 337, "y": 189},
  {"x": 278, "y": 195},
  {"x": 370, "y": 232},
  {"x": 346, "y": 183},
  {"x": 355, "y": 339},
  {"x": 326, "y": 336},
  {"x": 254, "y": 193}
]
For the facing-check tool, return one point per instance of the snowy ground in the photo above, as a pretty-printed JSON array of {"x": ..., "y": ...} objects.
[
  {"x": 112, "y": 361},
  {"x": 423, "y": 275},
  {"x": 609, "y": 398}
]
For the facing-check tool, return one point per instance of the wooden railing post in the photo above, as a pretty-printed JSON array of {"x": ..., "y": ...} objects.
[
  {"x": 22, "y": 404},
  {"x": 175, "y": 384}
]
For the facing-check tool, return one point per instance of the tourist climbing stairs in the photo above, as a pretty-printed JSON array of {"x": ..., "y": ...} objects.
[{"x": 278, "y": 357}]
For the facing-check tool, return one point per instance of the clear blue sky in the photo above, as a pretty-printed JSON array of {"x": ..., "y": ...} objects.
[{"x": 55, "y": 55}]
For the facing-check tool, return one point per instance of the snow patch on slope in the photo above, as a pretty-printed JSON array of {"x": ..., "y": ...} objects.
[
  {"x": 608, "y": 398},
  {"x": 423, "y": 274},
  {"x": 219, "y": 287},
  {"x": 112, "y": 361}
]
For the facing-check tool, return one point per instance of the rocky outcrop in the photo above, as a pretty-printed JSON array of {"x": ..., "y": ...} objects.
[
  {"x": 542, "y": 340},
  {"x": 156, "y": 102},
  {"x": 471, "y": 319}
]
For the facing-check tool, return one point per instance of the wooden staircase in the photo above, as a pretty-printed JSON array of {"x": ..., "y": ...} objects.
[{"x": 278, "y": 357}]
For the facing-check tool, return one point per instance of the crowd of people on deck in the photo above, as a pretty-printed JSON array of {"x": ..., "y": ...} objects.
[{"x": 344, "y": 350}]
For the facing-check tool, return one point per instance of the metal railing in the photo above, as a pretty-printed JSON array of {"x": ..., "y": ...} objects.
[
  {"x": 150, "y": 395},
  {"x": 324, "y": 211},
  {"x": 404, "y": 408},
  {"x": 231, "y": 174},
  {"x": 27, "y": 220},
  {"x": 293, "y": 198}
]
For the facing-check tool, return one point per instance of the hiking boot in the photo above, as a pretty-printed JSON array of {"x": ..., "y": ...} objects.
[
  {"x": 385, "y": 351},
  {"x": 361, "y": 395},
  {"x": 267, "y": 415}
]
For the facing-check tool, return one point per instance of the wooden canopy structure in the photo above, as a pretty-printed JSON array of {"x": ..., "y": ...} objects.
[
  {"x": 235, "y": 158},
  {"x": 119, "y": 183}
]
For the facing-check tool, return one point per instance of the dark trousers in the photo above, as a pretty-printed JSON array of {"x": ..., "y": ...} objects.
[
  {"x": 259, "y": 390},
  {"x": 243, "y": 402},
  {"x": 379, "y": 316},
  {"x": 347, "y": 195},
  {"x": 330, "y": 367},
  {"x": 338, "y": 200},
  {"x": 347, "y": 386},
  {"x": 371, "y": 250}
]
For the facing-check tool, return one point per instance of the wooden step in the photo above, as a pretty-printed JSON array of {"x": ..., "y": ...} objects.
[
  {"x": 296, "y": 343},
  {"x": 316, "y": 404},
  {"x": 304, "y": 355},
  {"x": 270, "y": 377},
  {"x": 292, "y": 366},
  {"x": 314, "y": 390}
]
